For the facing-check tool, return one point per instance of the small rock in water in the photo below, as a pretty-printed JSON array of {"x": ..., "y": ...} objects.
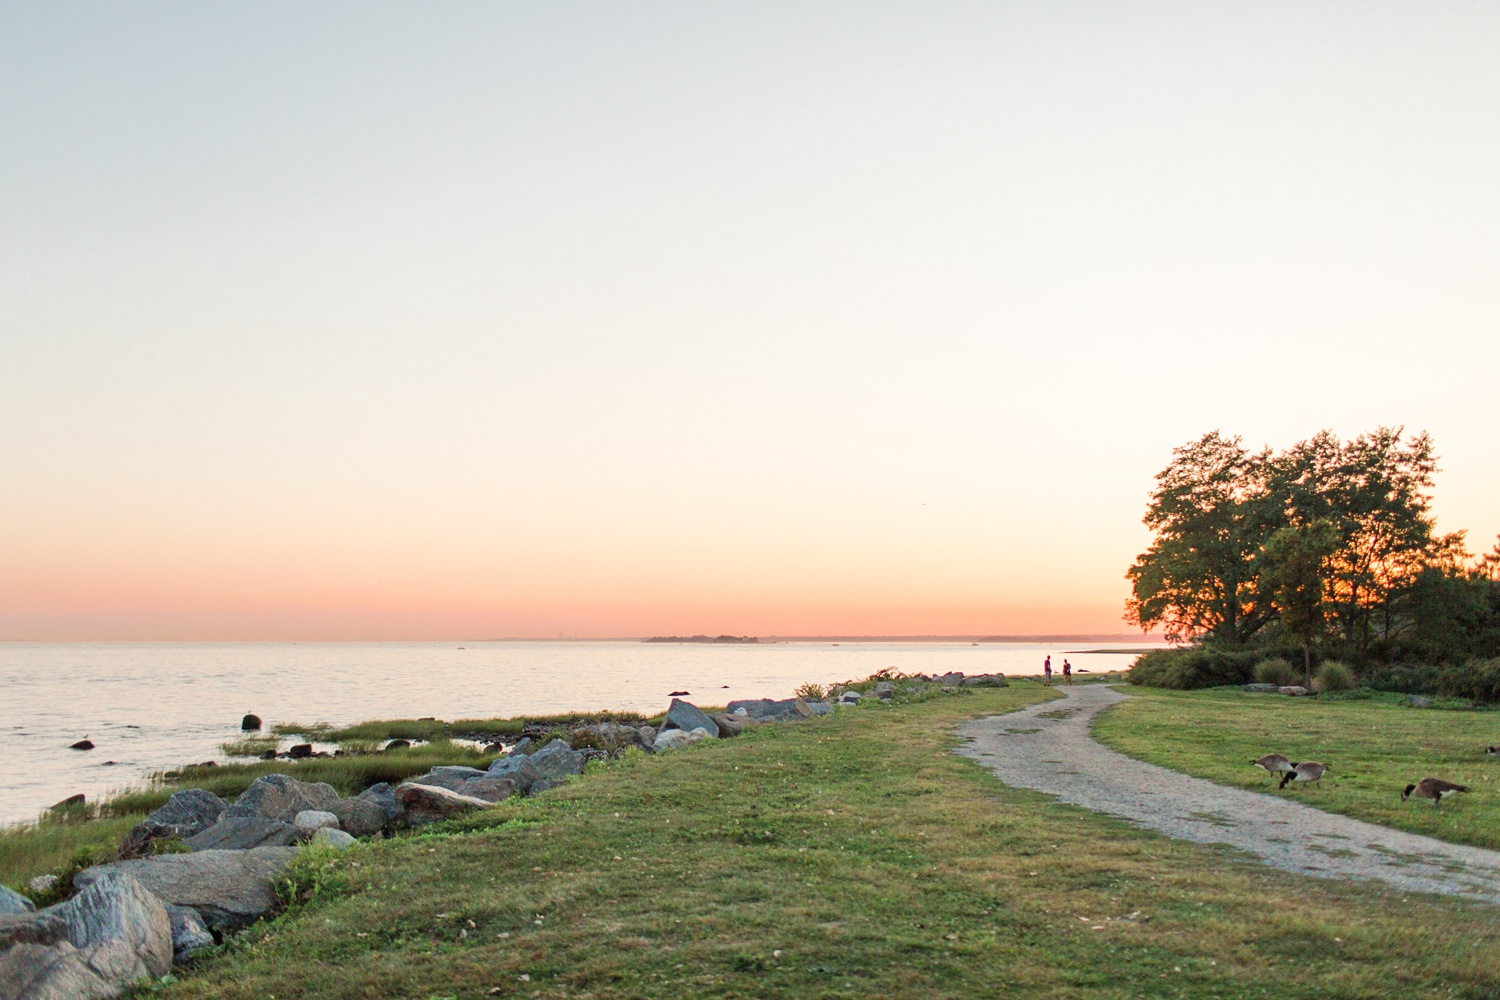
[
  {"x": 108, "y": 763},
  {"x": 679, "y": 694},
  {"x": 268, "y": 755},
  {"x": 81, "y": 745},
  {"x": 250, "y": 724},
  {"x": 300, "y": 751}
]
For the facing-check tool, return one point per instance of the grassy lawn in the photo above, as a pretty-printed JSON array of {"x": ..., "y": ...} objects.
[
  {"x": 847, "y": 856},
  {"x": 1374, "y": 749}
]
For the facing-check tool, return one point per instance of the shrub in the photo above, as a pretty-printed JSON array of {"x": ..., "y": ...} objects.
[
  {"x": 811, "y": 692},
  {"x": 1404, "y": 678},
  {"x": 1332, "y": 676},
  {"x": 1275, "y": 670},
  {"x": 1194, "y": 667},
  {"x": 1478, "y": 680}
]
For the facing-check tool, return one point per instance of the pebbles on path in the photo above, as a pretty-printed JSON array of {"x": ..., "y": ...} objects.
[{"x": 1027, "y": 749}]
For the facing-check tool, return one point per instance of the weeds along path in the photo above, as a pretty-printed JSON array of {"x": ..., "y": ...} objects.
[{"x": 1049, "y": 748}]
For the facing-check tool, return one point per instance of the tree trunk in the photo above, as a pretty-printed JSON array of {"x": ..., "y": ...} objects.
[{"x": 1307, "y": 663}]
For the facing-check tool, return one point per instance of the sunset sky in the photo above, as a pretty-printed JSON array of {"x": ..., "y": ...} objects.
[{"x": 372, "y": 320}]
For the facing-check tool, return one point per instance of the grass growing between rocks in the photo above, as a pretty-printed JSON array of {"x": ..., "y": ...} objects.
[
  {"x": 846, "y": 856},
  {"x": 1374, "y": 749}
]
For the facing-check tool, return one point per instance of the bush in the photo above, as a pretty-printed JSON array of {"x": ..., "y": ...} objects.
[
  {"x": 1332, "y": 676},
  {"x": 1404, "y": 678},
  {"x": 811, "y": 692},
  {"x": 1194, "y": 667},
  {"x": 1275, "y": 670},
  {"x": 1478, "y": 680}
]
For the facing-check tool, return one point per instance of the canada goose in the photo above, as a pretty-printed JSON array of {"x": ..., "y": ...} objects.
[
  {"x": 1308, "y": 770},
  {"x": 1435, "y": 789},
  {"x": 1492, "y": 751},
  {"x": 1273, "y": 762}
]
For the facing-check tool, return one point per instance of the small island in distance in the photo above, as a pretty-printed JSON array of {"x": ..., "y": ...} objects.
[{"x": 701, "y": 638}]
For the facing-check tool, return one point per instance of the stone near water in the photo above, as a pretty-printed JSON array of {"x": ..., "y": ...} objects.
[
  {"x": 250, "y": 724},
  {"x": 31, "y": 928},
  {"x": 81, "y": 745},
  {"x": 279, "y": 796},
  {"x": 647, "y": 735},
  {"x": 361, "y": 817},
  {"x": 429, "y": 803},
  {"x": 327, "y": 836},
  {"x": 678, "y": 694},
  {"x": 300, "y": 751},
  {"x": 850, "y": 698},
  {"x": 315, "y": 819},
  {"x": 229, "y": 889},
  {"x": 120, "y": 929},
  {"x": 523, "y": 746},
  {"x": 50, "y": 972},
  {"x": 12, "y": 902},
  {"x": 384, "y": 797},
  {"x": 676, "y": 739},
  {"x": 451, "y": 777},
  {"x": 189, "y": 933},
  {"x": 727, "y": 727},
  {"x": 398, "y": 745},
  {"x": 491, "y": 789},
  {"x": 557, "y": 760},
  {"x": 241, "y": 833},
  {"x": 818, "y": 708},
  {"x": 185, "y": 814},
  {"x": 687, "y": 716},
  {"x": 519, "y": 769}
]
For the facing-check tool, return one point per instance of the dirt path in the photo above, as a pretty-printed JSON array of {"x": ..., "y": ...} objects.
[{"x": 1048, "y": 747}]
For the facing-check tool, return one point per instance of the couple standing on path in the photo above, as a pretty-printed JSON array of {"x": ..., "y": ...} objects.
[{"x": 1047, "y": 670}]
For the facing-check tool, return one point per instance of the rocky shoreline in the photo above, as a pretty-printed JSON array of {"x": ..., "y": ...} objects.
[{"x": 199, "y": 868}]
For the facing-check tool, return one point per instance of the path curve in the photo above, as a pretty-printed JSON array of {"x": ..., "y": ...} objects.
[{"x": 1049, "y": 748}]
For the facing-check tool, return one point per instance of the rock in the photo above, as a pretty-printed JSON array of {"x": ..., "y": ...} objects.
[
  {"x": 12, "y": 902},
  {"x": 383, "y": 797},
  {"x": 1417, "y": 701},
  {"x": 327, "y": 836},
  {"x": 398, "y": 745},
  {"x": 850, "y": 698},
  {"x": 121, "y": 929},
  {"x": 449, "y": 777},
  {"x": 687, "y": 717},
  {"x": 361, "y": 817},
  {"x": 491, "y": 789},
  {"x": 818, "y": 708},
  {"x": 186, "y": 813},
  {"x": 250, "y": 724},
  {"x": 32, "y": 928},
  {"x": 70, "y": 802},
  {"x": 676, "y": 739},
  {"x": 189, "y": 932},
  {"x": 315, "y": 819},
  {"x": 801, "y": 710},
  {"x": 647, "y": 736},
  {"x": 81, "y": 745},
  {"x": 678, "y": 694},
  {"x": 1295, "y": 690},
  {"x": 519, "y": 769},
  {"x": 229, "y": 889},
  {"x": 1259, "y": 688},
  {"x": 558, "y": 760},
  {"x": 987, "y": 680},
  {"x": 764, "y": 708},
  {"x": 42, "y": 883},
  {"x": 952, "y": 678},
  {"x": 300, "y": 751},
  {"x": 279, "y": 796},
  {"x": 56, "y": 972},
  {"x": 494, "y": 748},
  {"x": 522, "y": 747},
  {"x": 268, "y": 755},
  {"x": 241, "y": 833},
  {"x": 430, "y": 803},
  {"x": 727, "y": 726}
]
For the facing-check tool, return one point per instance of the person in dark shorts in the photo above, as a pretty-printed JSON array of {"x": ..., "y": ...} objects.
[
  {"x": 1067, "y": 672},
  {"x": 1047, "y": 670}
]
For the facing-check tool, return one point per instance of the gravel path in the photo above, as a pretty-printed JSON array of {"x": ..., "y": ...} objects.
[{"x": 1048, "y": 747}]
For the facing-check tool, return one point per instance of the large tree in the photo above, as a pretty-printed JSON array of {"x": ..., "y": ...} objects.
[
  {"x": 1295, "y": 565},
  {"x": 1211, "y": 512}
]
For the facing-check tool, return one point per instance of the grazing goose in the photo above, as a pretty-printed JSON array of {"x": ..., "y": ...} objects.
[
  {"x": 1273, "y": 762},
  {"x": 1492, "y": 751},
  {"x": 1435, "y": 789},
  {"x": 1308, "y": 770}
]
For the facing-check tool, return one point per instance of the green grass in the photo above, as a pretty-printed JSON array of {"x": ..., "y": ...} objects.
[
  {"x": 435, "y": 729},
  {"x": 838, "y": 857},
  {"x": 1374, "y": 747}
]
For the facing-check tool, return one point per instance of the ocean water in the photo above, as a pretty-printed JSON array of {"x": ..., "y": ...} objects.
[{"x": 151, "y": 706}]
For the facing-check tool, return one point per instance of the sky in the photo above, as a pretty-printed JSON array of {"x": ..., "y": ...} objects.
[{"x": 392, "y": 321}]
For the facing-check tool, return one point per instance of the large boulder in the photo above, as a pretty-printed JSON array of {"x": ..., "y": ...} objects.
[
  {"x": 556, "y": 761},
  {"x": 816, "y": 708},
  {"x": 189, "y": 932},
  {"x": 519, "y": 769},
  {"x": 361, "y": 817},
  {"x": 686, "y": 716},
  {"x": 241, "y": 833},
  {"x": 12, "y": 902},
  {"x": 314, "y": 819},
  {"x": 727, "y": 726},
  {"x": 431, "y": 803},
  {"x": 229, "y": 889},
  {"x": 280, "y": 796},
  {"x": 186, "y": 813},
  {"x": 676, "y": 739},
  {"x": 489, "y": 788},
  {"x": 383, "y": 796},
  {"x": 31, "y": 928},
  {"x": 524, "y": 745},
  {"x": 450, "y": 777},
  {"x": 121, "y": 930},
  {"x": 50, "y": 972},
  {"x": 765, "y": 709}
]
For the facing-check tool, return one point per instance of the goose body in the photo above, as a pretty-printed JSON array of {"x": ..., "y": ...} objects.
[
  {"x": 1435, "y": 789},
  {"x": 1307, "y": 771},
  {"x": 1273, "y": 762}
]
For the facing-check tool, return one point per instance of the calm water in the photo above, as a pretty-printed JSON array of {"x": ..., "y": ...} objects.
[{"x": 150, "y": 706}]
